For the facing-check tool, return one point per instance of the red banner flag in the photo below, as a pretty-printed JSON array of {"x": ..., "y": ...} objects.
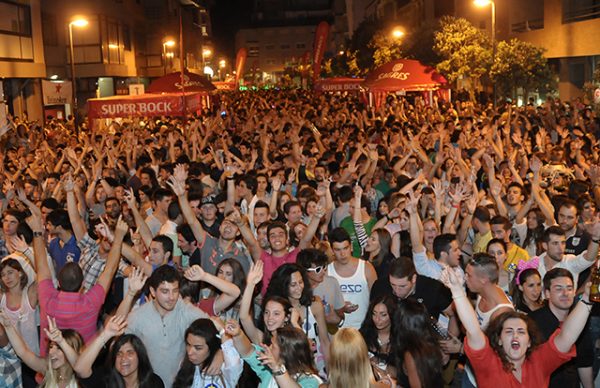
[
  {"x": 319, "y": 47},
  {"x": 240, "y": 61}
]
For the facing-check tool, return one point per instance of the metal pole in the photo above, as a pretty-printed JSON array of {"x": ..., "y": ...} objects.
[
  {"x": 494, "y": 44},
  {"x": 73, "y": 85},
  {"x": 164, "y": 58}
]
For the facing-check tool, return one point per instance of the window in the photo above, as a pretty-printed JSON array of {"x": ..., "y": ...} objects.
[
  {"x": 16, "y": 19},
  {"x": 253, "y": 51},
  {"x": 300, "y": 45}
]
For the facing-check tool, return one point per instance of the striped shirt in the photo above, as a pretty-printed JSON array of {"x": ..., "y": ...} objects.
[{"x": 72, "y": 310}]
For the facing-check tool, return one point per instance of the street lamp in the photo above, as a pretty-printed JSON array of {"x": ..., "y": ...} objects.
[
  {"x": 166, "y": 43},
  {"x": 77, "y": 22},
  {"x": 492, "y": 3},
  {"x": 397, "y": 33}
]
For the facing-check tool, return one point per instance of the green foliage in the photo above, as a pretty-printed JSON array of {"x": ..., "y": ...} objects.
[
  {"x": 521, "y": 64},
  {"x": 464, "y": 49},
  {"x": 385, "y": 48}
]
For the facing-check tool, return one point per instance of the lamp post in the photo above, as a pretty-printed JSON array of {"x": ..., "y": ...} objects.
[
  {"x": 77, "y": 22},
  {"x": 166, "y": 43},
  {"x": 492, "y": 3}
]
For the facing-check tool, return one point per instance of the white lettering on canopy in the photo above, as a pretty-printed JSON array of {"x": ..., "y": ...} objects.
[
  {"x": 136, "y": 108},
  {"x": 394, "y": 74}
]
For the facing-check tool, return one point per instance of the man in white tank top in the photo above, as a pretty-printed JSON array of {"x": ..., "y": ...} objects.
[{"x": 355, "y": 276}]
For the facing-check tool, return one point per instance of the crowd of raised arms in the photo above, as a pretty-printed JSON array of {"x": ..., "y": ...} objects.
[{"x": 291, "y": 239}]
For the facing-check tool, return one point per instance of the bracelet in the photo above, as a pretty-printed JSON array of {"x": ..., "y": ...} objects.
[
  {"x": 132, "y": 294},
  {"x": 455, "y": 297},
  {"x": 596, "y": 241},
  {"x": 586, "y": 303}
]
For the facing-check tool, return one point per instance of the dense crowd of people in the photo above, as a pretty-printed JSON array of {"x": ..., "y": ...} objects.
[{"x": 291, "y": 239}]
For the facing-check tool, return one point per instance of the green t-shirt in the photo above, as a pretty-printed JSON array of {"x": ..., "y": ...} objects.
[{"x": 348, "y": 226}]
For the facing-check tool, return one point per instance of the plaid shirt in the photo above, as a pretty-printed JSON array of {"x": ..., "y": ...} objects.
[
  {"x": 3, "y": 249},
  {"x": 90, "y": 262},
  {"x": 10, "y": 368}
]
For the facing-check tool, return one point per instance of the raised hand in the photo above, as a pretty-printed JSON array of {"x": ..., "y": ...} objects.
[
  {"x": 115, "y": 326},
  {"x": 180, "y": 173},
  {"x": 276, "y": 184},
  {"x": 130, "y": 198},
  {"x": 255, "y": 273},
  {"x": 232, "y": 328},
  {"x": 413, "y": 202},
  {"x": 177, "y": 186},
  {"x": 18, "y": 244},
  {"x": 267, "y": 357},
  {"x": 53, "y": 332},
  {"x": 535, "y": 164},
  {"x": 68, "y": 184},
  {"x": 195, "y": 273},
  {"x": 137, "y": 280}
]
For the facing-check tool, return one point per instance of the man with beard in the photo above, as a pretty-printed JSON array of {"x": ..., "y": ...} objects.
[{"x": 212, "y": 250}]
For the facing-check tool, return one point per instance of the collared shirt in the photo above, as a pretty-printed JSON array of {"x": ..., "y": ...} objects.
[
  {"x": 164, "y": 336},
  {"x": 10, "y": 368},
  {"x": 90, "y": 262},
  {"x": 212, "y": 254},
  {"x": 78, "y": 311},
  {"x": 575, "y": 264},
  {"x": 61, "y": 255}
]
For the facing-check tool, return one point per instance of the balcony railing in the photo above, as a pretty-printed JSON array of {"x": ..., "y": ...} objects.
[
  {"x": 528, "y": 25},
  {"x": 581, "y": 13}
]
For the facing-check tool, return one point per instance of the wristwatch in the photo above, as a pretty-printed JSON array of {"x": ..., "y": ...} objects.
[
  {"x": 282, "y": 370},
  {"x": 38, "y": 234}
]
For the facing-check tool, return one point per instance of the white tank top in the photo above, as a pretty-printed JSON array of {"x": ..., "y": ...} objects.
[
  {"x": 24, "y": 320},
  {"x": 484, "y": 318},
  {"x": 355, "y": 290}
]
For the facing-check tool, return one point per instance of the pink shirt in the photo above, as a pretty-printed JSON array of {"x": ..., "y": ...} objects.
[
  {"x": 72, "y": 310},
  {"x": 274, "y": 262}
]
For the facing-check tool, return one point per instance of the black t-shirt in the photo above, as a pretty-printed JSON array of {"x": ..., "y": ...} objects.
[
  {"x": 432, "y": 293},
  {"x": 566, "y": 375},
  {"x": 99, "y": 379}
]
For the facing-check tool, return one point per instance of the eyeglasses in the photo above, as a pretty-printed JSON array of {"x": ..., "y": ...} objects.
[{"x": 316, "y": 270}]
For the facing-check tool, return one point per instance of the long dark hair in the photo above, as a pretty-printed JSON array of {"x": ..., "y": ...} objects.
[
  {"x": 280, "y": 283},
  {"x": 369, "y": 331},
  {"x": 416, "y": 336},
  {"x": 535, "y": 235},
  {"x": 385, "y": 244},
  {"x": 494, "y": 331},
  {"x": 260, "y": 323},
  {"x": 295, "y": 351},
  {"x": 517, "y": 294},
  {"x": 200, "y": 328},
  {"x": 144, "y": 369}
]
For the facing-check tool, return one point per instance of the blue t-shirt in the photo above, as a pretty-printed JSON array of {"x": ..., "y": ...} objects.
[{"x": 69, "y": 252}]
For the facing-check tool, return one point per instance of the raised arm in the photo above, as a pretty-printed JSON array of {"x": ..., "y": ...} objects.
[
  {"x": 229, "y": 291},
  {"x": 575, "y": 322},
  {"x": 188, "y": 213},
  {"x": 465, "y": 312},
  {"x": 35, "y": 362},
  {"x": 255, "y": 275},
  {"x": 114, "y": 255},
  {"x": 77, "y": 222},
  {"x": 137, "y": 279},
  {"x": 114, "y": 326},
  {"x": 139, "y": 220},
  {"x": 247, "y": 235},
  {"x": 39, "y": 245},
  {"x": 313, "y": 226}
]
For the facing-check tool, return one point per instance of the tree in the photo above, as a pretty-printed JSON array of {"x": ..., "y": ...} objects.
[
  {"x": 385, "y": 48},
  {"x": 464, "y": 49},
  {"x": 521, "y": 64}
]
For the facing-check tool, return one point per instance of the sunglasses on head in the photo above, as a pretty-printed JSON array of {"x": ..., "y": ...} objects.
[{"x": 316, "y": 270}]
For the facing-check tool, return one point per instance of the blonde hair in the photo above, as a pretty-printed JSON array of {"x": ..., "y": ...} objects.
[
  {"x": 74, "y": 339},
  {"x": 349, "y": 364}
]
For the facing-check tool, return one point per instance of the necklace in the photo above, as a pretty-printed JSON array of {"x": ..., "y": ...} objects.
[{"x": 382, "y": 343}]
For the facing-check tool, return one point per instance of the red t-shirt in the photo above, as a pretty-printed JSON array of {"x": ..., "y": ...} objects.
[
  {"x": 536, "y": 370},
  {"x": 272, "y": 263},
  {"x": 72, "y": 310},
  {"x": 208, "y": 306}
]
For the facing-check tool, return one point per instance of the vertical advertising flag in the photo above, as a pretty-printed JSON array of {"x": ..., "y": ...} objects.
[
  {"x": 319, "y": 48},
  {"x": 240, "y": 61}
]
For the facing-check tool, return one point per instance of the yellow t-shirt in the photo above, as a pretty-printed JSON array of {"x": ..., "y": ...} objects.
[
  {"x": 481, "y": 241},
  {"x": 513, "y": 256}
]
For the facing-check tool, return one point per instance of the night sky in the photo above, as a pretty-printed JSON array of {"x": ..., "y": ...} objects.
[{"x": 227, "y": 17}]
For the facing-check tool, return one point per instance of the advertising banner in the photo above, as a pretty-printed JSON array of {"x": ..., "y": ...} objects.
[{"x": 57, "y": 92}]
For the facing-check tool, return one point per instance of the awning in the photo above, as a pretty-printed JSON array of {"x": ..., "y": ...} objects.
[
  {"x": 404, "y": 75},
  {"x": 338, "y": 84},
  {"x": 224, "y": 85},
  {"x": 166, "y": 104},
  {"x": 171, "y": 83}
]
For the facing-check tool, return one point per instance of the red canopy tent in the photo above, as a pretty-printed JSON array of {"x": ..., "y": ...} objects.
[
  {"x": 166, "y": 104},
  {"x": 404, "y": 75},
  {"x": 171, "y": 83},
  {"x": 338, "y": 84}
]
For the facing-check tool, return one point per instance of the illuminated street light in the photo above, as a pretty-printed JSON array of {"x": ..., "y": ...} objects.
[
  {"x": 397, "y": 33},
  {"x": 492, "y": 3},
  {"x": 222, "y": 63},
  {"x": 166, "y": 43},
  {"x": 77, "y": 22},
  {"x": 341, "y": 52}
]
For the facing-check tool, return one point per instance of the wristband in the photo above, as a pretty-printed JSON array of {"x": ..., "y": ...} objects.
[
  {"x": 586, "y": 303},
  {"x": 454, "y": 297},
  {"x": 38, "y": 234},
  {"x": 596, "y": 241}
]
